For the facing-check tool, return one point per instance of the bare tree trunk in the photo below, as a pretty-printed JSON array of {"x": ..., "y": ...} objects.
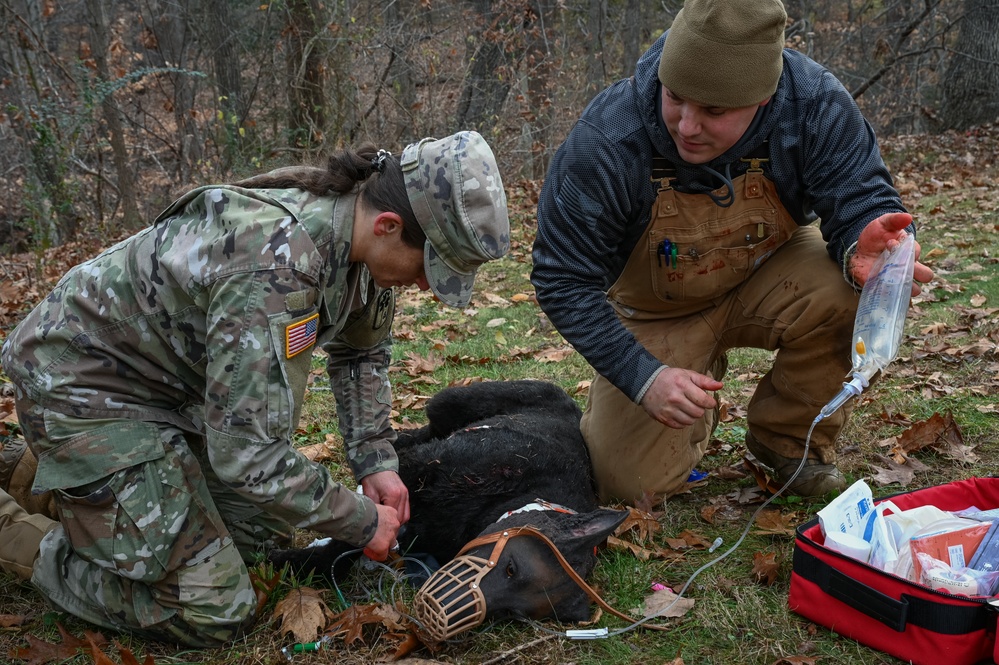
[
  {"x": 342, "y": 84},
  {"x": 540, "y": 78},
  {"x": 31, "y": 102},
  {"x": 400, "y": 70},
  {"x": 220, "y": 40},
  {"x": 971, "y": 85},
  {"x": 596, "y": 76},
  {"x": 306, "y": 90},
  {"x": 126, "y": 189},
  {"x": 167, "y": 20},
  {"x": 485, "y": 89},
  {"x": 632, "y": 36}
]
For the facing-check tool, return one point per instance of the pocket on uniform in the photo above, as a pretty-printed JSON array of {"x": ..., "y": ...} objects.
[
  {"x": 708, "y": 260},
  {"x": 87, "y": 458},
  {"x": 294, "y": 341}
]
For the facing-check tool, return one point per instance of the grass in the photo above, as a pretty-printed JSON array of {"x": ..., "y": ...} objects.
[{"x": 948, "y": 364}]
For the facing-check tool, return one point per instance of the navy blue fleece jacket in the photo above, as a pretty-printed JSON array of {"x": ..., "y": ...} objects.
[{"x": 597, "y": 196}]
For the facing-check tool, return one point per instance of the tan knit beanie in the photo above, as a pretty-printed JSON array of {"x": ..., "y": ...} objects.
[{"x": 724, "y": 53}]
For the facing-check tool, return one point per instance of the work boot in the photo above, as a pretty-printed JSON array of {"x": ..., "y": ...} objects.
[
  {"x": 20, "y": 536},
  {"x": 815, "y": 479},
  {"x": 17, "y": 475}
]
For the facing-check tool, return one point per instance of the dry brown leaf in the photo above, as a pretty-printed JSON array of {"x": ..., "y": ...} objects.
[
  {"x": 350, "y": 623},
  {"x": 415, "y": 365},
  {"x": 553, "y": 355},
  {"x": 408, "y": 643},
  {"x": 765, "y": 568},
  {"x": 40, "y": 652},
  {"x": 747, "y": 495},
  {"x": 12, "y": 620},
  {"x": 902, "y": 473},
  {"x": 731, "y": 472},
  {"x": 391, "y": 618},
  {"x": 642, "y": 525},
  {"x": 646, "y": 502},
  {"x": 664, "y": 603},
  {"x": 642, "y": 553},
  {"x": 494, "y": 299},
  {"x": 695, "y": 540},
  {"x": 128, "y": 658},
  {"x": 100, "y": 658},
  {"x": 760, "y": 475},
  {"x": 321, "y": 452},
  {"x": 940, "y": 432},
  {"x": 774, "y": 523},
  {"x": 264, "y": 582},
  {"x": 303, "y": 613}
]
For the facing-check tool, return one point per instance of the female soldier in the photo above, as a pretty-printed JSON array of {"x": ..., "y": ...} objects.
[{"x": 160, "y": 383}]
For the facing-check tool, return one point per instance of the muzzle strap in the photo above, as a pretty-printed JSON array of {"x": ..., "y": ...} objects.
[{"x": 442, "y": 604}]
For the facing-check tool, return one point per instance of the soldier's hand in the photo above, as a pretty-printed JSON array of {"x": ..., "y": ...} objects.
[
  {"x": 678, "y": 397},
  {"x": 386, "y": 488},
  {"x": 386, "y": 534}
]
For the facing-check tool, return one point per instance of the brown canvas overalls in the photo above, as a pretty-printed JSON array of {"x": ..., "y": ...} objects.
[{"x": 704, "y": 279}]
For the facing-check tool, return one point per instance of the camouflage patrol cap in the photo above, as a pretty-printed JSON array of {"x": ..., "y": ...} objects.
[{"x": 456, "y": 192}]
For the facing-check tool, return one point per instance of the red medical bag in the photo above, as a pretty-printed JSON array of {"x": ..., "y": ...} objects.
[{"x": 888, "y": 612}]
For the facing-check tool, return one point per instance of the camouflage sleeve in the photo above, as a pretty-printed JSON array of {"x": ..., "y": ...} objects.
[
  {"x": 255, "y": 385},
  {"x": 358, "y": 367}
]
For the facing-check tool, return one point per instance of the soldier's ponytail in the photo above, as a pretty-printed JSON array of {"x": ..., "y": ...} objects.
[{"x": 377, "y": 174}]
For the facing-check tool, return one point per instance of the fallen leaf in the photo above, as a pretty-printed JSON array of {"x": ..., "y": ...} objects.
[
  {"x": 39, "y": 652},
  {"x": 414, "y": 364},
  {"x": 303, "y": 613},
  {"x": 321, "y": 452},
  {"x": 774, "y": 523},
  {"x": 264, "y": 580},
  {"x": 520, "y": 297},
  {"x": 902, "y": 473},
  {"x": 350, "y": 623},
  {"x": 643, "y": 524},
  {"x": 408, "y": 643},
  {"x": 128, "y": 658},
  {"x": 665, "y": 604},
  {"x": 553, "y": 355},
  {"x": 731, "y": 472},
  {"x": 695, "y": 540},
  {"x": 646, "y": 502},
  {"x": 642, "y": 553},
  {"x": 760, "y": 474},
  {"x": 765, "y": 568},
  {"x": 12, "y": 620},
  {"x": 100, "y": 658}
]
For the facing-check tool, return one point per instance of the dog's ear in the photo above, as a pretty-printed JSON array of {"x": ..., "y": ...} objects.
[{"x": 596, "y": 526}]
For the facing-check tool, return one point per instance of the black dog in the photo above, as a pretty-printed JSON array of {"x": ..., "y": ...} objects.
[{"x": 489, "y": 452}]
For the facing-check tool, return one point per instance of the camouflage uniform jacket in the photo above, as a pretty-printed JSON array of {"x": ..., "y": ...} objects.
[{"x": 207, "y": 320}]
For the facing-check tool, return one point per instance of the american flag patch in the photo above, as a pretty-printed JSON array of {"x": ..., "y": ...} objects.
[{"x": 300, "y": 336}]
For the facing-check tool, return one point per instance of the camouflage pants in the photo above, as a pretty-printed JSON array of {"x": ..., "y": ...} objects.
[{"x": 150, "y": 540}]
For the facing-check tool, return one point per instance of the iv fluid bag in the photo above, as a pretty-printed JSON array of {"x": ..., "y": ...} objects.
[{"x": 884, "y": 301}]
